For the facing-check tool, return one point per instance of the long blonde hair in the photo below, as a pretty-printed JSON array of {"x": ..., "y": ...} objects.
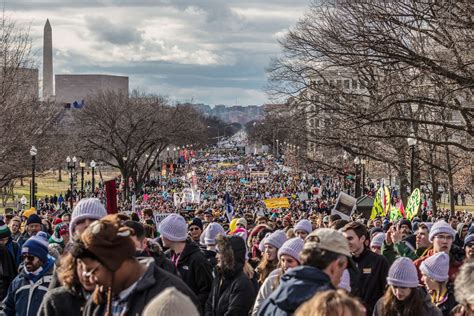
[{"x": 330, "y": 303}]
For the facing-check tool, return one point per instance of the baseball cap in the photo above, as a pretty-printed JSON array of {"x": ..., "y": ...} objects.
[{"x": 328, "y": 239}]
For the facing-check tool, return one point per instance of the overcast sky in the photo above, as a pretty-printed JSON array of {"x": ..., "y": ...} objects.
[{"x": 205, "y": 51}]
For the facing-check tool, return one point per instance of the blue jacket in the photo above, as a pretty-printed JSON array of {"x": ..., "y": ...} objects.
[
  {"x": 297, "y": 286},
  {"x": 26, "y": 292}
]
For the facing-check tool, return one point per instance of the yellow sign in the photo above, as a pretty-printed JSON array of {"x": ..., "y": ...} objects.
[
  {"x": 226, "y": 164},
  {"x": 277, "y": 203}
]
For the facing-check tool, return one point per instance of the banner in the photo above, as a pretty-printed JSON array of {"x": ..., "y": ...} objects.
[
  {"x": 413, "y": 204},
  {"x": 159, "y": 217},
  {"x": 303, "y": 196},
  {"x": 191, "y": 196},
  {"x": 277, "y": 203},
  {"x": 259, "y": 174},
  {"x": 111, "y": 196}
]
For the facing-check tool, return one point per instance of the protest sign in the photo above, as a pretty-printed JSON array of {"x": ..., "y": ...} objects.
[
  {"x": 413, "y": 204},
  {"x": 159, "y": 217},
  {"x": 276, "y": 203},
  {"x": 345, "y": 206}
]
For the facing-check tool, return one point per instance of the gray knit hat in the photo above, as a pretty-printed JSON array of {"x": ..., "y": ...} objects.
[
  {"x": 174, "y": 228},
  {"x": 377, "y": 240},
  {"x": 170, "y": 302},
  {"x": 441, "y": 227},
  {"x": 403, "y": 273},
  {"x": 468, "y": 239},
  {"x": 211, "y": 232},
  {"x": 87, "y": 208},
  {"x": 436, "y": 267},
  {"x": 276, "y": 239},
  {"x": 304, "y": 225},
  {"x": 292, "y": 247}
]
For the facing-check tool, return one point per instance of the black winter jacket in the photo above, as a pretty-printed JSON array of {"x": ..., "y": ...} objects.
[
  {"x": 370, "y": 276},
  {"x": 233, "y": 293},
  {"x": 195, "y": 271},
  {"x": 151, "y": 284},
  {"x": 62, "y": 301}
]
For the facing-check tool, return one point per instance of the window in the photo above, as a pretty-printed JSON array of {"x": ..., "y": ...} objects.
[
  {"x": 354, "y": 84},
  {"x": 347, "y": 84}
]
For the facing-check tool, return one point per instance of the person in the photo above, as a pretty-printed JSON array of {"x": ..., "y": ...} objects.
[
  {"x": 170, "y": 302},
  {"x": 376, "y": 243},
  {"x": 332, "y": 302},
  {"x": 8, "y": 271},
  {"x": 435, "y": 277},
  {"x": 15, "y": 228},
  {"x": 469, "y": 248},
  {"x": 33, "y": 226},
  {"x": 70, "y": 298},
  {"x": 464, "y": 289},
  {"x": 368, "y": 278},
  {"x": 461, "y": 232},
  {"x": 189, "y": 260},
  {"x": 442, "y": 237},
  {"x": 303, "y": 228},
  {"x": 208, "y": 218},
  {"x": 85, "y": 213},
  {"x": 195, "y": 229},
  {"x": 27, "y": 290},
  {"x": 149, "y": 248},
  {"x": 232, "y": 292},
  {"x": 124, "y": 284},
  {"x": 210, "y": 234},
  {"x": 289, "y": 257},
  {"x": 324, "y": 258},
  {"x": 11, "y": 246},
  {"x": 272, "y": 243},
  {"x": 403, "y": 297}
]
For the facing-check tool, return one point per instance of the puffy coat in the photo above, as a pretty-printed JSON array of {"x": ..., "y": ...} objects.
[
  {"x": 297, "y": 286},
  {"x": 26, "y": 292},
  {"x": 232, "y": 291}
]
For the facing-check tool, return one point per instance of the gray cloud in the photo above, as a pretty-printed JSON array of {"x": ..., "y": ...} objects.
[{"x": 114, "y": 33}]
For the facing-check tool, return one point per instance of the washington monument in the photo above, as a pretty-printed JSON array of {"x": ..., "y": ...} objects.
[{"x": 47, "y": 61}]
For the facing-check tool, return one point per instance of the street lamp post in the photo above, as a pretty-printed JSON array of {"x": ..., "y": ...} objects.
[
  {"x": 363, "y": 162},
  {"x": 93, "y": 177},
  {"x": 357, "y": 163},
  {"x": 33, "y": 152},
  {"x": 277, "y": 151},
  {"x": 82, "y": 164},
  {"x": 71, "y": 165},
  {"x": 412, "y": 144}
]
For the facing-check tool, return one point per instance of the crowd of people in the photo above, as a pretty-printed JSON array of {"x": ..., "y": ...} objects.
[{"x": 228, "y": 253}]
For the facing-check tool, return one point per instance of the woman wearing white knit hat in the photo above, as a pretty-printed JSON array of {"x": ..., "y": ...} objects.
[
  {"x": 403, "y": 296},
  {"x": 289, "y": 257},
  {"x": 435, "y": 277},
  {"x": 269, "y": 262}
]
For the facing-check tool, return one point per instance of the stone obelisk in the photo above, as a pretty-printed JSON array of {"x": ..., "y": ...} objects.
[{"x": 47, "y": 61}]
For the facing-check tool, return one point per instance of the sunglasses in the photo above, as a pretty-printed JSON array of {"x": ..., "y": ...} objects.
[
  {"x": 194, "y": 228},
  {"x": 27, "y": 257}
]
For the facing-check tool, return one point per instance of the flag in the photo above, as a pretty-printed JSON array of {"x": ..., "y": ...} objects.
[
  {"x": 395, "y": 214},
  {"x": 401, "y": 208},
  {"x": 377, "y": 208},
  {"x": 229, "y": 208},
  {"x": 413, "y": 204},
  {"x": 111, "y": 197}
]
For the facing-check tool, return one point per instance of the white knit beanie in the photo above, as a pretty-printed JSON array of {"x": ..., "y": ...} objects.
[
  {"x": 174, "y": 228},
  {"x": 211, "y": 232},
  {"x": 87, "y": 208},
  {"x": 304, "y": 225},
  {"x": 436, "y": 267},
  {"x": 377, "y": 240},
  {"x": 276, "y": 239},
  {"x": 292, "y": 247},
  {"x": 403, "y": 273},
  {"x": 170, "y": 302},
  {"x": 441, "y": 227}
]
